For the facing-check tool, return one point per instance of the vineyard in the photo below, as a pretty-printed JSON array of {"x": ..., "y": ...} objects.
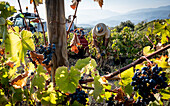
[{"x": 35, "y": 70}]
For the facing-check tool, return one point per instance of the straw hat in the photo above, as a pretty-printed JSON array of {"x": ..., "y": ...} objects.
[{"x": 100, "y": 29}]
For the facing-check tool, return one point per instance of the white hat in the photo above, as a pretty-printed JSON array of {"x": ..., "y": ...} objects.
[{"x": 100, "y": 29}]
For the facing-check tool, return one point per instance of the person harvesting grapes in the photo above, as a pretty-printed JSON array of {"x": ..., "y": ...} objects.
[{"x": 101, "y": 34}]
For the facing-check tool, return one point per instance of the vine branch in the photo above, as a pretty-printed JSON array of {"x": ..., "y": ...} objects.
[
  {"x": 74, "y": 16},
  {"x": 40, "y": 22},
  {"x": 138, "y": 61}
]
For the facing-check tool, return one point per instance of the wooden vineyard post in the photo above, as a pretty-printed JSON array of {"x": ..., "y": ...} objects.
[{"x": 55, "y": 12}]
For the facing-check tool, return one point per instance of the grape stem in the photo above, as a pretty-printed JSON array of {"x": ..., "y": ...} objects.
[
  {"x": 144, "y": 57},
  {"x": 74, "y": 16}
]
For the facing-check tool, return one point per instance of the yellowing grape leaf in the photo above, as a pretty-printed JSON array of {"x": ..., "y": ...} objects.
[
  {"x": 17, "y": 44},
  {"x": 20, "y": 80},
  {"x": 100, "y": 2},
  {"x": 162, "y": 61},
  {"x": 147, "y": 50}
]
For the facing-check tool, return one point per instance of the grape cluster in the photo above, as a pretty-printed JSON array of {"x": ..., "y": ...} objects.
[
  {"x": 80, "y": 96},
  {"x": 47, "y": 52},
  {"x": 110, "y": 101},
  {"x": 146, "y": 81}
]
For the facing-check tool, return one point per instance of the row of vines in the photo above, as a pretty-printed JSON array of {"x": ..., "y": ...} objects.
[{"x": 25, "y": 69}]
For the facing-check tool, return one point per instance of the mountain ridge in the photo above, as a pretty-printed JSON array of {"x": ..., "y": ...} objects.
[{"x": 135, "y": 16}]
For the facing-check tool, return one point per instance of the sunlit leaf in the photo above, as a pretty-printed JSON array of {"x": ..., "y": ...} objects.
[
  {"x": 147, "y": 50},
  {"x": 126, "y": 77},
  {"x": 70, "y": 79},
  {"x": 82, "y": 63},
  {"x": 17, "y": 44}
]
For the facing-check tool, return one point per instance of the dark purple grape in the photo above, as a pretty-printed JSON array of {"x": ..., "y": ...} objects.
[
  {"x": 135, "y": 88},
  {"x": 144, "y": 68},
  {"x": 163, "y": 74},
  {"x": 144, "y": 72},
  {"x": 133, "y": 83}
]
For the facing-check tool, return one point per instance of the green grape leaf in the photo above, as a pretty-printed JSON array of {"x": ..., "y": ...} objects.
[
  {"x": 70, "y": 79},
  {"x": 82, "y": 63},
  {"x": 53, "y": 98},
  {"x": 6, "y": 10},
  {"x": 76, "y": 103},
  {"x": 17, "y": 95},
  {"x": 38, "y": 81},
  {"x": 98, "y": 88},
  {"x": 40, "y": 69},
  {"x": 168, "y": 21},
  {"x": 147, "y": 50},
  {"x": 128, "y": 89}
]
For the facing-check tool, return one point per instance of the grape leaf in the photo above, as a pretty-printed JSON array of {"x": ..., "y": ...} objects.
[
  {"x": 128, "y": 89},
  {"x": 82, "y": 63},
  {"x": 17, "y": 95},
  {"x": 164, "y": 37},
  {"x": 98, "y": 88},
  {"x": 70, "y": 79},
  {"x": 38, "y": 81},
  {"x": 93, "y": 63},
  {"x": 126, "y": 77},
  {"x": 147, "y": 50},
  {"x": 76, "y": 103},
  {"x": 17, "y": 45}
]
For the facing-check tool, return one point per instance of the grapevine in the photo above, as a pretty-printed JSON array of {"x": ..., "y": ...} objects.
[{"x": 26, "y": 67}]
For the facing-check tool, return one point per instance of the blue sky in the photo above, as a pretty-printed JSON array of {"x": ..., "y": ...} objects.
[{"x": 120, "y": 6}]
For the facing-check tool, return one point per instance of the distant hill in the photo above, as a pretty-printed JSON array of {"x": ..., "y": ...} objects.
[
  {"x": 86, "y": 17},
  {"x": 136, "y": 16}
]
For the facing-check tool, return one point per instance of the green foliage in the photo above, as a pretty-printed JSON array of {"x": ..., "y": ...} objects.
[
  {"x": 124, "y": 42},
  {"x": 82, "y": 63},
  {"x": 38, "y": 79},
  {"x": 70, "y": 78},
  {"x": 17, "y": 44},
  {"x": 98, "y": 88},
  {"x": 6, "y": 10}
]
